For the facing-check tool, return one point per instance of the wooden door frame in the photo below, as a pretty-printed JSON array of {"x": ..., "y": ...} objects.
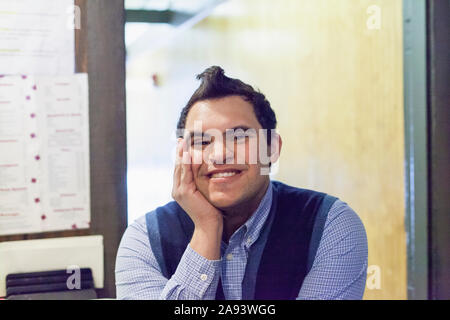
[
  {"x": 100, "y": 51},
  {"x": 426, "y": 26},
  {"x": 416, "y": 161},
  {"x": 438, "y": 14}
]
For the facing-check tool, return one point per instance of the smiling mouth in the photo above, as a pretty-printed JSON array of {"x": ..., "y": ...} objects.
[{"x": 224, "y": 175}]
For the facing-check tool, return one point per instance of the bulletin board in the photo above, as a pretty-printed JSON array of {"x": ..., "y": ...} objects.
[
  {"x": 44, "y": 123},
  {"x": 99, "y": 63}
]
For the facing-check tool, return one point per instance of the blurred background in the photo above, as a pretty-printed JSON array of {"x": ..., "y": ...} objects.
[
  {"x": 334, "y": 80},
  {"x": 361, "y": 93}
]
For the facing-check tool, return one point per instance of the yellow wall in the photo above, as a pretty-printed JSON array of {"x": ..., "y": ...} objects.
[{"x": 336, "y": 88}]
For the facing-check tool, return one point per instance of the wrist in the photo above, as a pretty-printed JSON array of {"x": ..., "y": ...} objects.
[
  {"x": 211, "y": 232},
  {"x": 209, "y": 225},
  {"x": 207, "y": 241}
]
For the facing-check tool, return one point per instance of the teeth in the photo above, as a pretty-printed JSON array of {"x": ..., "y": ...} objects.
[{"x": 223, "y": 174}]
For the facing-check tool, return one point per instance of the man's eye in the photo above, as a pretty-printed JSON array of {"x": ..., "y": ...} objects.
[
  {"x": 240, "y": 138},
  {"x": 200, "y": 143}
]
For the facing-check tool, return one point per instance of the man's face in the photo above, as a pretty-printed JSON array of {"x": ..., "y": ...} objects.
[{"x": 223, "y": 179}]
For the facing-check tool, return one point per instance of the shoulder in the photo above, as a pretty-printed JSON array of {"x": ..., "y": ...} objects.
[
  {"x": 289, "y": 197},
  {"x": 343, "y": 219},
  {"x": 164, "y": 220},
  {"x": 136, "y": 232},
  {"x": 340, "y": 265},
  {"x": 139, "y": 227},
  {"x": 170, "y": 210},
  {"x": 134, "y": 247},
  {"x": 344, "y": 230},
  {"x": 139, "y": 224},
  {"x": 285, "y": 189}
]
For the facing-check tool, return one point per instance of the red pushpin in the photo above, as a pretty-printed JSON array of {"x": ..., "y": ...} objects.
[{"x": 155, "y": 79}]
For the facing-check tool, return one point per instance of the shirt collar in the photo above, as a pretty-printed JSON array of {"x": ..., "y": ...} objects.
[
  {"x": 249, "y": 232},
  {"x": 256, "y": 221}
]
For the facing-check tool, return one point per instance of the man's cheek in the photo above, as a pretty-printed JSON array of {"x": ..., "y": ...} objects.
[
  {"x": 197, "y": 156},
  {"x": 195, "y": 169}
]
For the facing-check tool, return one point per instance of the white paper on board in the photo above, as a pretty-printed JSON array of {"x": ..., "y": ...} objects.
[
  {"x": 37, "y": 37},
  {"x": 44, "y": 153}
]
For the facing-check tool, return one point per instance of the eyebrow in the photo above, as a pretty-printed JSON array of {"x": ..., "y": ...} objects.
[
  {"x": 201, "y": 134},
  {"x": 243, "y": 127}
]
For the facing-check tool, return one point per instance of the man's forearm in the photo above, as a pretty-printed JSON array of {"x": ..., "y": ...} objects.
[{"x": 206, "y": 240}]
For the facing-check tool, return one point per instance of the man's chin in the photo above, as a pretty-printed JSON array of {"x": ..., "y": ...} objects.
[{"x": 223, "y": 202}]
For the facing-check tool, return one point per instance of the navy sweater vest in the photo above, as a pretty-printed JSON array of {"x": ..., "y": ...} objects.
[{"x": 278, "y": 261}]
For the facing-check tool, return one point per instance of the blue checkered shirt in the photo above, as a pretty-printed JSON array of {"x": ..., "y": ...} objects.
[{"x": 338, "y": 272}]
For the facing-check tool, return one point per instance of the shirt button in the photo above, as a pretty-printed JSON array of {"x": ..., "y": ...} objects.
[
  {"x": 249, "y": 240},
  {"x": 204, "y": 277},
  {"x": 229, "y": 256}
]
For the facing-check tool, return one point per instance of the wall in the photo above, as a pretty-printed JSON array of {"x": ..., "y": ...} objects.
[
  {"x": 336, "y": 87},
  {"x": 100, "y": 52}
]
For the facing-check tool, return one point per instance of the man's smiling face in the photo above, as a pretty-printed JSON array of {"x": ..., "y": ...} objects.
[{"x": 223, "y": 180}]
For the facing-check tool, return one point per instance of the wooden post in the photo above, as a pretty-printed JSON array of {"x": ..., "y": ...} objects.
[
  {"x": 439, "y": 146},
  {"x": 100, "y": 51}
]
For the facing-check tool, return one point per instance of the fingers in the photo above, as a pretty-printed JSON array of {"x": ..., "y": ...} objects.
[
  {"x": 186, "y": 168},
  {"x": 182, "y": 175},
  {"x": 179, "y": 152},
  {"x": 177, "y": 170}
]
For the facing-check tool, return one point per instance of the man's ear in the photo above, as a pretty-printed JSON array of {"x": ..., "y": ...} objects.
[{"x": 275, "y": 147}]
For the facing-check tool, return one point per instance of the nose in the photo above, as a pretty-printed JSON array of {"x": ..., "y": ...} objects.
[{"x": 219, "y": 152}]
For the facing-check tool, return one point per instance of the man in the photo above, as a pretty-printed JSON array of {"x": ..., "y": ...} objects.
[{"x": 231, "y": 233}]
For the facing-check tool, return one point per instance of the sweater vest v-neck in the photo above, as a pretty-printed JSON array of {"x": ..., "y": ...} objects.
[{"x": 278, "y": 261}]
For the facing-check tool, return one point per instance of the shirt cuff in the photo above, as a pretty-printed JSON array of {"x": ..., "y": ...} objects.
[{"x": 197, "y": 274}]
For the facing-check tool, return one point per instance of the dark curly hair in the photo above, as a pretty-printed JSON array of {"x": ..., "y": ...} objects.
[{"x": 216, "y": 85}]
